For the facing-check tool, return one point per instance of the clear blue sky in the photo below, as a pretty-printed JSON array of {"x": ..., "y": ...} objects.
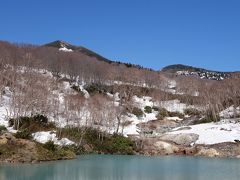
[{"x": 152, "y": 33}]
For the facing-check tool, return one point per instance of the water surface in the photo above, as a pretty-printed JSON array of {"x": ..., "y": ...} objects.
[{"x": 106, "y": 167}]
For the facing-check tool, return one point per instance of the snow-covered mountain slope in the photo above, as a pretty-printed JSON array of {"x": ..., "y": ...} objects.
[
  {"x": 75, "y": 89},
  {"x": 68, "y": 107}
]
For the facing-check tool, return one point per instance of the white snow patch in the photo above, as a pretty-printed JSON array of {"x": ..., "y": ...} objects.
[
  {"x": 116, "y": 97},
  {"x": 149, "y": 116},
  {"x": 86, "y": 94},
  {"x": 45, "y": 136},
  {"x": 172, "y": 84},
  {"x": 11, "y": 130},
  {"x": 213, "y": 133},
  {"x": 196, "y": 93},
  {"x": 173, "y": 105},
  {"x": 110, "y": 95},
  {"x": 131, "y": 129},
  {"x": 4, "y": 107},
  {"x": 142, "y": 102},
  {"x": 65, "y": 49},
  {"x": 176, "y": 106},
  {"x": 174, "y": 118},
  {"x": 3, "y": 114}
]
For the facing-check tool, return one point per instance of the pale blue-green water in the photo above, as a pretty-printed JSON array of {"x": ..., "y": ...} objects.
[{"x": 106, "y": 167}]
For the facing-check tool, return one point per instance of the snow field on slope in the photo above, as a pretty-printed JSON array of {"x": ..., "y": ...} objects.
[{"x": 212, "y": 133}]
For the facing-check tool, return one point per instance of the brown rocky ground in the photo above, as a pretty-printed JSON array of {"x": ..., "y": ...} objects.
[
  {"x": 158, "y": 147},
  {"x": 179, "y": 144},
  {"x": 15, "y": 150}
]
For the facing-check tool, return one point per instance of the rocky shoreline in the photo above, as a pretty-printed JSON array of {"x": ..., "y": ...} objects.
[
  {"x": 14, "y": 150},
  {"x": 158, "y": 147}
]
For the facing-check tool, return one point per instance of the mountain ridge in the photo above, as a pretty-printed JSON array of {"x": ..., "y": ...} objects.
[
  {"x": 170, "y": 68},
  {"x": 186, "y": 70},
  {"x": 69, "y": 47},
  {"x": 86, "y": 51},
  {"x": 182, "y": 67}
]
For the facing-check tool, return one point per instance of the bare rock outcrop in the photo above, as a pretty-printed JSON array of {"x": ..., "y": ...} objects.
[
  {"x": 209, "y": 152},
  {"x": 166, "y": 148},
  {"x": 16, "y": 150},
  {"x": 181, "y": 139},
  {"x": 7, "y": 138}
]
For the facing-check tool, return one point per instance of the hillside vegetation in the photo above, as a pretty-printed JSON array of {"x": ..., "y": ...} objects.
[{"x": 70, "y": 96}]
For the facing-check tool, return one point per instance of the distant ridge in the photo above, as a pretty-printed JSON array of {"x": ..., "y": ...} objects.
[
  {"x": 186, "y": 70},
  {"x": 64, "y": 46},
  {"x": 181, "y": 67}
]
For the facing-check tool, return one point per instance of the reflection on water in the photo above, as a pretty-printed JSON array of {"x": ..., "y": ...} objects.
[{"x": 104, "y": 167}]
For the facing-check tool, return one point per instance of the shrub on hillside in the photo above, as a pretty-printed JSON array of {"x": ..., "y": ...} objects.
[
  {"x": 77, "y": 88},
  {"x": 50, "y": 146},
  {"x": 118, "y": 144},
  {"x": 113, "y": 144},
  {"x": 40, "y": 118},
  {"x": 147, "y": 109},
  {"x": 97, "y": 141},
  {"x": 78, "y": 150},
  {"x": 162, "y": 113},
  {"x": 155, "y": 108},
  {"x": 72, "y": 133},
  {"x": 3, "y": 128},
  {"x": 176, "y": 114},
  {"x": 33, "y": 124},
  {"x": 96, "y": 88},
  {"x": 209, "y": 117},
  {"x": 24, "y": 134},
  {"x": 192, "y": 112},
  {"x": 137, "y": 112}
]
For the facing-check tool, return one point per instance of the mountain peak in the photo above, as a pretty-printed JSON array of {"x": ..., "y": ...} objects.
[
  {"x": 64, "y": 46},
  {"x": 60, "y": 44}
]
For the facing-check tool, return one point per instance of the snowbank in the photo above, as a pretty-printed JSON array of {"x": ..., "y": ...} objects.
[
  {"x": 213, "y": 133},
  {"x": 45, "y": 136}
]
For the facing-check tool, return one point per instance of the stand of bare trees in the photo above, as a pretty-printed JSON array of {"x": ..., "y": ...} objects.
[{"x": 33, "y": 93}]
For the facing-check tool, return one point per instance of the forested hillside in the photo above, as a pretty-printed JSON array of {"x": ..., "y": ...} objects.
[{"x": 71, "y": 95}]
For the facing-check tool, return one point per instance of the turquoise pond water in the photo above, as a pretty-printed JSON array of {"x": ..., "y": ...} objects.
[{"x": 107, "y": 167}]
